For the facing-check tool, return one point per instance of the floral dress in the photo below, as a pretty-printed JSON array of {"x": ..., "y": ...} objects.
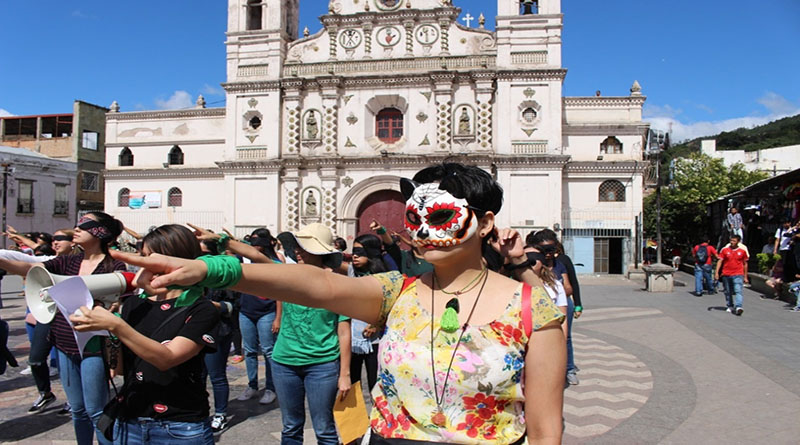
[{"x": 484, "y": 399}]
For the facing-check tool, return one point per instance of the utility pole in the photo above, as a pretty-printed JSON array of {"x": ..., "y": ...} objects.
[{"x": 5, "y": 201}]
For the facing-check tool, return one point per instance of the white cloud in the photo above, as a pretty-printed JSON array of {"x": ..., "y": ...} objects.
[
  {"x": 212, "y": 90},
  {"x": 179, "y": 99},
  {"x": 4, "y": 112},
  {"x": 665, "y": 118},
  {"x": 78, "y": 14}
]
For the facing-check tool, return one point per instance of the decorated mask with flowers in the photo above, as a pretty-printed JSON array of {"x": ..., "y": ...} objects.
[{"x": 435, "y": 218}]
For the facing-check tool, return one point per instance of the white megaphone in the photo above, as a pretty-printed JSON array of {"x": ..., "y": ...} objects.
[{"x": 107, "y": 288}]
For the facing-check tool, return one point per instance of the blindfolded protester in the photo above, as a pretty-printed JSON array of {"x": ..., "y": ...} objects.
[{"x": 459, "y": 341}]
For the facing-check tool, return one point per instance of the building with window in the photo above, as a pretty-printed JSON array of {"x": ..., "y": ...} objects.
[
  {"x": 78, "y": 137},
  {"x": 41, "y": 190},
  {"x": 319, "y": 128}
]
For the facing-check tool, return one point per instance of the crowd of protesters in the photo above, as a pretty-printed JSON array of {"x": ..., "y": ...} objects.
[{"x": 320, "y": 318}]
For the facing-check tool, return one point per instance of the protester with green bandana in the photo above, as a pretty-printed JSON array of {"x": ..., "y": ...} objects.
[{"x": 163, "y": 336}]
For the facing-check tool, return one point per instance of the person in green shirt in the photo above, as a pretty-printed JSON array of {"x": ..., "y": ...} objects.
[{"x": 311, "y": 358}]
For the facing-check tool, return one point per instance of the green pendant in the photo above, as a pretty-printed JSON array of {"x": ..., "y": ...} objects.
[{"x": 449, "y": 321}]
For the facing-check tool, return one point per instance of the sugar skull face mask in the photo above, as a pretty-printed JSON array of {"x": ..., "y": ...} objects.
[{"x": 436, "y": 218}]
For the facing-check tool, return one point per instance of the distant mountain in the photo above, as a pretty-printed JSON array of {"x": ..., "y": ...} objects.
[{"x": 778, "y": 133}]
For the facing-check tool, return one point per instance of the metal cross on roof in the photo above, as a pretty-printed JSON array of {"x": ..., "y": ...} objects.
[{"x": 468, "y": 19}]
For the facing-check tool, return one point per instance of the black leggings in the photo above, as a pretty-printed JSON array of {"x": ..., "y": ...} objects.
[
  {"x": 370, "y": 361},
  {"x": 39, "y": 354}
]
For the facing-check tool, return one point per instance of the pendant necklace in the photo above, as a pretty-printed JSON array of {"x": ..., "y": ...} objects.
[
  {"x": 438, "y": 418},
  {"x": 449, "y": 321}
]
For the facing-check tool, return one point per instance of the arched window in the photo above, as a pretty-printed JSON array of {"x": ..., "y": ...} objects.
[
  {"x": 175, "y": 156},
  {"x": 611, "y": 191},
  {"x": 126, "y": 157},
  {"x": 123, "y": 197},
  {"x": 175, "y": 197},
  {"x": 529, "y": 115},
  {"x": 611, "y": 145},
  {"x": 254, "y": 14},
  {"x": 527, "y": 7},
  {"x": 389, "y": 125}
]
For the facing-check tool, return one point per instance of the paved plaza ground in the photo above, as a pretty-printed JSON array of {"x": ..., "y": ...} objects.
[{"x": 654, "y": 368}]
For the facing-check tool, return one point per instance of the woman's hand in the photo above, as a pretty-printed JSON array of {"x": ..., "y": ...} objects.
[
  {"x": 369, "y": 331},
  {"x": 203, "y": 234},
  {"x": 159, "y": 271},
  {"x": 276, "y": 325},
  {"x": 509, "y": 244},
  {"x": 344, "y": 386},
  {"x": 96, "y": 319}
]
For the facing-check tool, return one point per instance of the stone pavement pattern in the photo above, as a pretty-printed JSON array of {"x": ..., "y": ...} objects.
[{"x": 654, "y": 368}]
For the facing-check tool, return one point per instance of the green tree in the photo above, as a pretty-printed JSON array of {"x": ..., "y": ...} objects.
[{"x": 698, "y": 180}]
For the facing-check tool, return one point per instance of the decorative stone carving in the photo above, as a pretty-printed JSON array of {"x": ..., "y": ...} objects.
[
  {"x": 484, "y": 121},
  {"x": 293, "y": 127},
  {"x": 388, "y": 36},
  {"x": 444, "y": 25},
  {"x": 388, "y": 5},
  {"x": 443, "y": 120},
  {"x": 331, "y": 128},
  {"x": 311, "y": 126},
  {"x": 114, "y": 108},
  {"x": 425, "y": 142},
  {"x": 464, "y": 121},
  {"x": 347, "y": 181},
  {"x": 409, "y": 25},
  {"x": 252, "y": 102},
  {"x": 422, "y": 117},
  {"x": 352, "y": 119},
  {"x": 426, "y": 34},
  {"x": 201, "y": 102},
  {"x": 349, "y": 143},
  {"x": 636, "y": 89},
  {"x": 529, "y": 92},
  {"x": 427, "y": 95},
  {"x": 310, "y": 207},
  {"x": 350, "y": 38},
  {"x": 252, "y": 138}
]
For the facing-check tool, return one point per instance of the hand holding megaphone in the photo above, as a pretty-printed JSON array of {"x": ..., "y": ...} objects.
[
  {"x": 95, "y": 319},
  {"x": 45, "y": 291}
]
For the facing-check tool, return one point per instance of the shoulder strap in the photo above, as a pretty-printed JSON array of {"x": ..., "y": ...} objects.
[
  {"x": 408, "y": 281},
  {"x": 527, "y": 323}
]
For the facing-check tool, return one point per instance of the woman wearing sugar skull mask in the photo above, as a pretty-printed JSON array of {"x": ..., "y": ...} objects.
[
  {"x": 476, "y": 398},
  {"x": 83, "y": 378}
]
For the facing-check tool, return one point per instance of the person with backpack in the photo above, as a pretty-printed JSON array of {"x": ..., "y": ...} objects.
[{"x": 704, "y": 255}]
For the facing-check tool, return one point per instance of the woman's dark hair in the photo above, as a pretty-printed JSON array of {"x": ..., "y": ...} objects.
[
  {"x": 340, "y": 244},
  {"x": 173, "y": 240},
  {"x": 211, "y": 246},
  {"x": 114, "y": 227},
  {"x": 44, "y": 249},
  {"x": 373, "y": 245},
  {"x": 263, "y": 238},
  {"x": 542, "y": 236},
  {"x": 482, "y": 192}
]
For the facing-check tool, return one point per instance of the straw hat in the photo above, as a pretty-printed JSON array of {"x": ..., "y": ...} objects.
[{"x": 317, "y": 239}]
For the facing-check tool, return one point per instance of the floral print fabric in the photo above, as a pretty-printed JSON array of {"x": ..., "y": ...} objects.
[{"x": 483, "y": 401}]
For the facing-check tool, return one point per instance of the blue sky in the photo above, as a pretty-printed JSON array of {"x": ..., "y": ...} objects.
[{"x": 705, "y": 66}]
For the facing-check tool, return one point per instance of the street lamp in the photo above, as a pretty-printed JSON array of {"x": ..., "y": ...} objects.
[
  {"x": 6, "y": 172},
  {"x": 658, "y": 141}
]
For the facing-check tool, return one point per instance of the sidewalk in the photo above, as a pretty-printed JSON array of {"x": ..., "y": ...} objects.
[{"x": 655, "y": 368}]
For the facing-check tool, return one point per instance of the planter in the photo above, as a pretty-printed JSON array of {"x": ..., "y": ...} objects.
[{"x": 758, "y": 283}]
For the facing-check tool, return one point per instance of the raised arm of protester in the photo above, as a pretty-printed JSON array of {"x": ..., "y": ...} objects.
[
  {"x": 133, "y": 233},
  {"x": 22, "y": 239},
  {"x": 226, "y": 242}
]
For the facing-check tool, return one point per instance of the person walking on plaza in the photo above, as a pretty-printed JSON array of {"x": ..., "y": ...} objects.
[
  {"x": 704, "y": 255},
  {"x": 733, "y": 264},
  {"x": 735, "y": 223}
]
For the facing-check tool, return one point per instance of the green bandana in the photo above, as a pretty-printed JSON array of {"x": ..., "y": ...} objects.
[{"x": 223, "y": 271}]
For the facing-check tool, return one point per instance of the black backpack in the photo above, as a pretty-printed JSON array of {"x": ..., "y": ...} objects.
[{"x": 702, "y": 255}]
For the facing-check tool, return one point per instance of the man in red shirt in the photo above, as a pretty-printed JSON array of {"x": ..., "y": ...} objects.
[
  {"x": 733, "y": 262},
  {"x": 704, "y": 255}
]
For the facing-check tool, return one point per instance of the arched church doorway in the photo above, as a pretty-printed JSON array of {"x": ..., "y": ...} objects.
[{"x": 385, "y": 206}]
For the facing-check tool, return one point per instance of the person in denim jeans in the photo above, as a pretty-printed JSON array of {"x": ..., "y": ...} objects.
[
  {"x": 703, "y": 267},
  {"x": 311, "y": 359},
  {"x": 733, "y": 264},
  {"x": 164, "y": 338}
]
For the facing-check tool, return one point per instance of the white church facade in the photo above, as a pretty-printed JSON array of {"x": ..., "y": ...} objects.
[{"x": 319, "y": 128}]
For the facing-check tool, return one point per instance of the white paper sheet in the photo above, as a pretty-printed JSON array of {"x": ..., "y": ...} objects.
[{"x": 69, "y": 296}]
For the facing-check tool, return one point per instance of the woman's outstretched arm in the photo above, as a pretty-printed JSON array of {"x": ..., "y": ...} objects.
[
  {"x": 545, "y": 368},
  {"x": 359, "y": 298}
]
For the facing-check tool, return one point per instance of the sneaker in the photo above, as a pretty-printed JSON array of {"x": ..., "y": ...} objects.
[
  {"x": 26, "y": 371},
  {"x": 53, "y": 372},
  {"x": 730, "y": 309},
  {"x": 797, "y": 309},
  {"x": 41, "y": 403},
  {"x": 248, "y": 394},
  {"x": 572, "y": 378},
  {"x": 65, "y": 409},
  {"x": 739, "y": 311},
  {"x": 268, "y": 397},
  {"x": 237, "y": 359},
  {"x": 218, "y": 423}
]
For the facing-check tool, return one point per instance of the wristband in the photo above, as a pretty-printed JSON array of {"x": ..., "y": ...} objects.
[
  {"x": 223, "y": 271},
  {"x": 578, "y": 308},
  {"x": 381, "y": 230},
  {"x": 222, "y": 242},
  {"x": 512, "y": 266}
]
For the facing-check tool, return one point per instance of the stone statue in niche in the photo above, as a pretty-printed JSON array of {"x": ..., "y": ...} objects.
[
  {"x": 311, "y": 204},
  {"x": 464, "y": 123},
  {"x": 312, "y": 127}
]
